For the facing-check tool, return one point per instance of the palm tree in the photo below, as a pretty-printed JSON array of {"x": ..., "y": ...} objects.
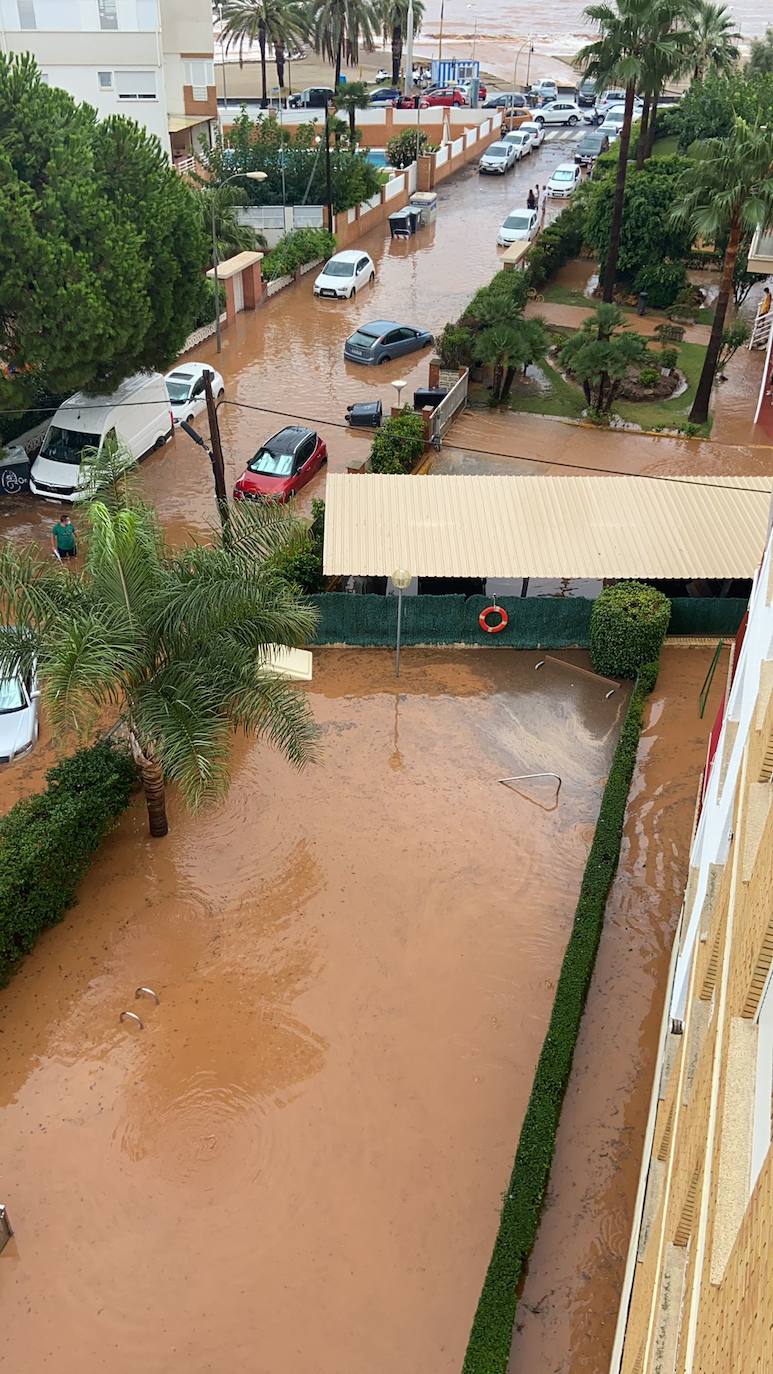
[
  {"x": 232, "y": 236},
  {"x": 279, "y": 22},
  {"x": 713, "y": 45},
  {"x": 508, "y": 345},
  {"x": 351, "y": 97},
  {"x": 633, "y": 33},
  {"x": 337, "y": 27},
  {"x": 600, "y": 354},
  {"x": 175, "y": 641},
  {"x": 394, "y": 21},
  {"x": 726, "y": 193},
  {"x": 659, "y": 65}
]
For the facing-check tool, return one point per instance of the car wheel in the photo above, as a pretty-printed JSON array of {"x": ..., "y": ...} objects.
[
  {"x": 372, "y": 278},
  {"x": 571, "y": 121},
  {"x": 385, "y": 358},
  {"x": 539, "y": 120},
  {"x": 188, "y": 418},
  {"x": 221, "y": 393},
  {"x": 353, "y": 292}
]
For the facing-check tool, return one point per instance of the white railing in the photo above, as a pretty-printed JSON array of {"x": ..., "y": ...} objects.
[
  {"x": 394, "y": 187},
  {"x": 205, "y": 331},
  {"x": 278, "y": 284},
  {"x": 457, "y": 146},
  {"x": 185, "y": 165},
  {"x": 454, "y": 401},
  {"x": 441, "y": 156},
  {"x": 761, "y": 329}
]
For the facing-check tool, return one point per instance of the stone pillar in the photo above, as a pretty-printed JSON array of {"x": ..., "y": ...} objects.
[
  {"x": 253, "y": 287},
  {"x": 230, "y": 299},
  {"x": 425, "y": 172}
]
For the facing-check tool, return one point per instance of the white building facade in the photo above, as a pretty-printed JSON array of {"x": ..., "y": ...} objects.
[{"x": 149, "y": 59}]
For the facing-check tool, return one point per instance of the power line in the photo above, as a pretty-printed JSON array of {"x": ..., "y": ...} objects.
[{"x": 454, "y": 448}]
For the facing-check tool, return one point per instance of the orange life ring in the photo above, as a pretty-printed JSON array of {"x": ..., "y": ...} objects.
[{"x": 493, "y": 610}]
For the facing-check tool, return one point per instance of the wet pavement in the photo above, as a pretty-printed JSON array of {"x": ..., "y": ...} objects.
[
  {"x": 285, "y": 361},
  {"x": 298, "y": 1163},
  {"x": 567, "y": 1314}
]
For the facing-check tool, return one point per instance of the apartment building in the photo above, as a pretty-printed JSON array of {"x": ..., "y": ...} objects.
[
  {"x": 699, "y": 1283},
  {"x": 148, "y": 59}
]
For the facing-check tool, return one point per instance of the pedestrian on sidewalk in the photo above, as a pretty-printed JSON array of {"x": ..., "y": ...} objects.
[
  {"x": 63, "y": 540},
  {"x": 531, "y": 200},
  {"x": 765, "y": 302}
]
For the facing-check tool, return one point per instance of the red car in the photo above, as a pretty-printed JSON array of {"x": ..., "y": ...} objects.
[
  {"x": 443, "y": 95},
  {"x": 283, "y": 465}
]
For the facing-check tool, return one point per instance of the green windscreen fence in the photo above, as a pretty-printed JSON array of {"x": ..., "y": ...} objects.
[{"x": 548, "y": 622}]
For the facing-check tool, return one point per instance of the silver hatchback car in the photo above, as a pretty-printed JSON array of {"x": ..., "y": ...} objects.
[{"x": 382, "y": 340}]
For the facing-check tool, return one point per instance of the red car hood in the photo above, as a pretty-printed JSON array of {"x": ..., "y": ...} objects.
[{"x": 262, "y": 484}]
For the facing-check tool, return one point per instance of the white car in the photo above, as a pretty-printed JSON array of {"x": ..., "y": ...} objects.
[
  {"x": 19, "y": 724},
  {"x": 544, "y": 90},
  {"x": 185, "y": 389},
  {"x": 345, "y": 274},
  {"x": 559, "y": 112},
  {"x": 519, "y": 225},
  {"x": 606, "y": 100},
  {"x": 536, "y": 131},
  {"x": 564, "y": 180},
  {"x": 521, "y": 141},
  {"x": 499, "y": 157}
]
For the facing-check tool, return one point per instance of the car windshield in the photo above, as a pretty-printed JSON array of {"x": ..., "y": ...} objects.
[
  {"x": 11, "y": 695},
  {"x": 592, "y": 142},
  {"x": 336, "y": 268},
  {"x": 516, "y": 222},
  {"x": 563, "y": 176},
  {"x": 178, "y": 388},
  {"x": 67, "y": 445},
  {"x": 272, "y": 464}
]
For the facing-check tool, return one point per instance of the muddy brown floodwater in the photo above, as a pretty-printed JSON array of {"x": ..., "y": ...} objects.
[
  {"x": 298, "y": 1163},
  {"x": 567, "y": 1314}
]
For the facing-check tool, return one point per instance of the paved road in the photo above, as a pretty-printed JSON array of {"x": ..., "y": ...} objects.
[{"x": 288, "y": 357}]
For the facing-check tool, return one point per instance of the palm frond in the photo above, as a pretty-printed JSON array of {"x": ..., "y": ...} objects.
[
  {"x": 85, "y": 665},
  {"x": 176, "y": 719}
]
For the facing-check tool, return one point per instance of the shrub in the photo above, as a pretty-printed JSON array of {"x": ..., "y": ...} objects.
[
  {"x": 48, "y": 840},
  {"x": 649, "y": 376},
  {"x": 404, "y": 148},
  {"x": 399, "y": 443},
  {"x": 302, "y": 564},
  {"x": 648, "y": 238},
  {"x": 559, "y": 242},
  {"x": 662, "y": 281},
  {"x": 295, "y": 250},
  {"x": 627, "y": 626},
  {"x": 668, "y": 122},
  {"x": 669, "y": 358},
  {"x": 489, "y": 1345},
  {"x": 455, "y": 346},
  {"x": 206, "y": 311}
]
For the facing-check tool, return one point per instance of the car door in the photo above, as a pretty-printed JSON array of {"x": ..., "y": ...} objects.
[
  {"x": 405, "y": 341},
  {"x": 197, "y": 400},
  {"x": 363, "y": 272},
  {"x": 302, "y": 465}
]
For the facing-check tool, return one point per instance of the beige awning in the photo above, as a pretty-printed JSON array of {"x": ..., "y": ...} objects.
[
  {"x": 581, "y": 527},
  {"x": 177, "y": 123}
]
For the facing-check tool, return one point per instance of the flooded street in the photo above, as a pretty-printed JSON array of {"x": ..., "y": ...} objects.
[
  {"x": 285, "y": 361},
  {"x": 298, "y": 1163},
  {"x": 566, "y": 1318}
]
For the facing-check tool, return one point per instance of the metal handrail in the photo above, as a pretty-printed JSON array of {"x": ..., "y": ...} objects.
[
  {"x": 521, "y": 777},
  {"x": 147, "y": 992},
  {"x": 131, "y": 1016}
]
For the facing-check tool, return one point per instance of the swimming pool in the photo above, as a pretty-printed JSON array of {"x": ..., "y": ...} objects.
[{"x": 377, "y": 156}]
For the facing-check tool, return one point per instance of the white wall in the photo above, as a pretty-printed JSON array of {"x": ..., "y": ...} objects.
[{"x": 82, "y": 15}]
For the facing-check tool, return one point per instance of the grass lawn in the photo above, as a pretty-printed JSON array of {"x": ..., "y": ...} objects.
[
  {"x": 566, "y": 400},
  {"x": 566, "y": 295},
  {"x": 665, "y": 147}
]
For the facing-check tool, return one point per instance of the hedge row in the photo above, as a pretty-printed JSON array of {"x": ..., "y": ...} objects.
[
  {"x": 490, "y": 1339},
  {"x": 48, "y": 841},
  {"x": 294, "y": 250},
  {"x": 561, "y": 240}
]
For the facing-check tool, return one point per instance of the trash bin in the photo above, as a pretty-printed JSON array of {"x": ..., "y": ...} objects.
[
  {"x": 14, "y": 470},
  {"x": 426, "y": 203},
  {"x": 364, "y": 414},
  {"x": 641, "y": 308},
  {"x": 402, "y": 223},
  {"x": 428, "y": 396}
]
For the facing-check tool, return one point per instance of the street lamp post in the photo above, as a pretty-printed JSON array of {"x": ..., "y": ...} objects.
[
  {"x": 250, "y": 176},
  {"x": 328, "y": 178},
  {"x": 475, "y": 31},
  {"x": 400, "y": 579},
  {"x": 408, "y": 77},
  {"x": 398, "y": 386}
]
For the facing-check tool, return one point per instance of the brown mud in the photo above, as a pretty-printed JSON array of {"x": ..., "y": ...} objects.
[
  {"x": 298, "y": 1163},
  {"x": 568, "y": 1310}
]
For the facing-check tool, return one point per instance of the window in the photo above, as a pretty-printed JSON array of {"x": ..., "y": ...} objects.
[
  {"x": 136, "y": 85},
  {"x": 26, "y": 10},
  {"x": 108, "y": 14},
  {"x": 105, "y": 80},
  {"x": 199, "y": 75}
]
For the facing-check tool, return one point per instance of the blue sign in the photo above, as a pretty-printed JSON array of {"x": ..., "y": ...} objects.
[{"x": 453, "y": 70}]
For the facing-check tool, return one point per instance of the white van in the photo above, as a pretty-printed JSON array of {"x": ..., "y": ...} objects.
[{"x": 137, "y": 415}]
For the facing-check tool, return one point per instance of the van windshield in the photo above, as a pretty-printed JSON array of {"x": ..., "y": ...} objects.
[{"x": 67, "y": 445}]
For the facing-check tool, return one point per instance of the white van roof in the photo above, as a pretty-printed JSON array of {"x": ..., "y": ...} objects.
[{"x": 85, "y": 414}]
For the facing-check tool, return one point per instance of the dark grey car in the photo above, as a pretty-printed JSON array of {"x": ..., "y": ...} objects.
[
  {"x": 590, "y": 147},
  {"x": 382, "y": 340}
]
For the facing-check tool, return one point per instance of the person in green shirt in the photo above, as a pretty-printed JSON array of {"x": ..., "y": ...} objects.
[{"x": 63, "y": 537}]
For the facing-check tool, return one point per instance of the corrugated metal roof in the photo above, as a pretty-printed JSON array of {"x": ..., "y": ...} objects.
[{"x": 459, "y": 526}]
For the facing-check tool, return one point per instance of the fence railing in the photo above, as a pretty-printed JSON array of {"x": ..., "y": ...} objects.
[{"x": 451, "y": 404}]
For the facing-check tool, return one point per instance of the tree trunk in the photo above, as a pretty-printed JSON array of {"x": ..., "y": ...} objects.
[
  {"x": 613, "y": 251},
  {"x": 508, "y": 382},
  {"x": 352, "y": 125},
  {"x": 339, "y": 53},
  {"x": 263, "y": 72},
  {"x": 397, "y": 52},
  {"x": 641, "y": 151},
  {"x": 653, "y": 125},
  {"x": 280, "y": 65},
  {"x": 153, "y": 785},
  {"x": 700, "y": 406},
  {"x": 497, "y": 387}
]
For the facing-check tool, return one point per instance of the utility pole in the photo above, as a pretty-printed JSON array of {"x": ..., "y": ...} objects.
[
  {"x": 216, "y": 454},
  {"x": 328, "y": 181}
]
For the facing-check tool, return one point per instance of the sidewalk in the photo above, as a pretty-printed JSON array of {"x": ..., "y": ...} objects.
[{"x": 572, "y": 316}]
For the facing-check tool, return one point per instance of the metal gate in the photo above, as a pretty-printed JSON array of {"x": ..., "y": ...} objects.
[{"x": 453, "y": 401}]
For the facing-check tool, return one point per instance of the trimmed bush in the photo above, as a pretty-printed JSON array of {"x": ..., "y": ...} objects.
[
  {"x": 399, "y": 444},
  {"x": 48, "y": 841},
  {"x": 627, "y": 627},
  {"x": 295, "y": 250},
  {"x": 301, "y": 563},
  {"x": 662, "y": 281},
  {"x": 559, "y": 241},
  {"x": 489, "y": 1346},
  {"x": 403, "y": 149}
]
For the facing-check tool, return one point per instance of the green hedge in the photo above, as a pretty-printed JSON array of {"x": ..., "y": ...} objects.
[
  {"x": 561, "y": 240},
  {"x": 549, "y": 622},
  {"x": 294, "y": 250},
  {"x": 627, "y": 627},
  {"x": 399, "y": 444},
  {"x": 489, "y": 1346},
  {"x": 48, "y": 840}
]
